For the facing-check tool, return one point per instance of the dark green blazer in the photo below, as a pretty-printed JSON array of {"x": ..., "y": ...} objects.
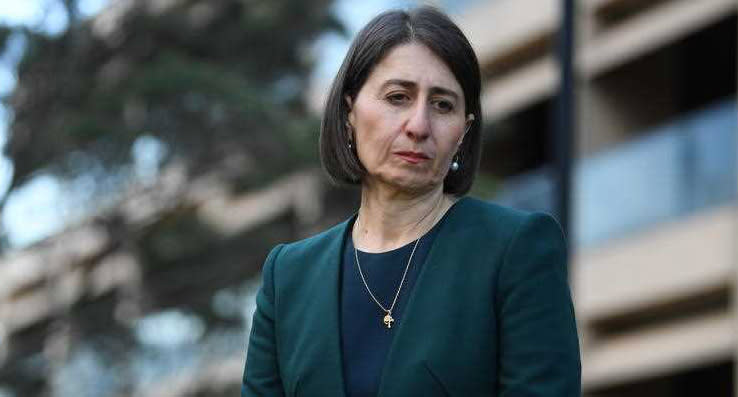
[{"x": 490, "y": 314}]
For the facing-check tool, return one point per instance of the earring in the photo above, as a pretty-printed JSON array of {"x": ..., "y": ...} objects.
[
  {"x": 350, "y": 135},
  {"x": 455, "y": 164}
]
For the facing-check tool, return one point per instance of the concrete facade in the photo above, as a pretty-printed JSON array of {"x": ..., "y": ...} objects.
[{"x": 655, "y": 304}]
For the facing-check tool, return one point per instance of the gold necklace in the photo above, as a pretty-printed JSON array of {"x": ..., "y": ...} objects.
[{"x": 388, "y": 319}]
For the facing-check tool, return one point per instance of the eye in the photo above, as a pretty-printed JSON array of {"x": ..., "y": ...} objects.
[
  {"x": 443, "y": 106},
  {"x": 398, "y": 98}
]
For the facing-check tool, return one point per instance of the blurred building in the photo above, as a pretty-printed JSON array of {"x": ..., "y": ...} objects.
[{"x": 654, "y": 186}]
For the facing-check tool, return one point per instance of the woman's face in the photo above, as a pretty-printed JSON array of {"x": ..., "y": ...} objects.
[{"x": 408, "y": 120}]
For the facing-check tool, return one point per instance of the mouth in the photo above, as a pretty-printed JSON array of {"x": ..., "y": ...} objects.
[{"x": 412, "y": 157}]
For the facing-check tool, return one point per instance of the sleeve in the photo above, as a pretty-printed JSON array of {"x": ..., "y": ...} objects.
[
  {"x": 261, "y": 374},
  {"x": 538, "y": 342}
]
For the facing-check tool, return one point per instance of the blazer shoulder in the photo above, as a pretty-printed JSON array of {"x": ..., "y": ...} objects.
[
  {"x": 490, "y": 208},
  {"x": 322, "y": 242},
  {"x": 503, "y": 221},
  {"x": 489, "y": 213}
]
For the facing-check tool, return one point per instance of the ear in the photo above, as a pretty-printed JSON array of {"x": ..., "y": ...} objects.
[
  {"x": 467, "y": 127},
  {"x": 350, "y": 113},
  {"x": 469, "y": 121}
]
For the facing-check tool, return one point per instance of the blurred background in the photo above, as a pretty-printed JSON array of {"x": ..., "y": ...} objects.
[{"x": 153, "y": 151}]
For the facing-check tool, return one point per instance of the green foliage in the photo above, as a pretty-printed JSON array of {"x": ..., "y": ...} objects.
[{"x": 201, "y": 75}]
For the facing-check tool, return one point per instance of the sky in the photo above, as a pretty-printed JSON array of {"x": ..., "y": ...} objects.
[{"x": 42, "y": 206}]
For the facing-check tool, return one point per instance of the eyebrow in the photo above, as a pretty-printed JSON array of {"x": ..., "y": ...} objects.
[{"x": 411, "y": 85}]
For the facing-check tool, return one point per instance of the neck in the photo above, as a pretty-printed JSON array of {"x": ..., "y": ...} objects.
[{"x": 388, "y": 220}]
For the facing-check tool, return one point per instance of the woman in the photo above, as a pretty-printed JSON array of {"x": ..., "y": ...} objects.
[{"x": 423, "y": 292}]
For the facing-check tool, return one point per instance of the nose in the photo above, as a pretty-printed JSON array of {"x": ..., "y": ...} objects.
[{"x": 418, "y": 125}]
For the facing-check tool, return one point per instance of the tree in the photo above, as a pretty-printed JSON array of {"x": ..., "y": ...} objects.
[{"x": 219, "y": 83}]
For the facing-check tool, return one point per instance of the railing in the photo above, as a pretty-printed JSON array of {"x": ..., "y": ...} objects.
[{"x": 673, "y": 170}]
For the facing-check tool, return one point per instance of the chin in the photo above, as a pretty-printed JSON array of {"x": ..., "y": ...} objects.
[
  {"x": 411, "y": 182},
  {"x": 413, "y": 185}
]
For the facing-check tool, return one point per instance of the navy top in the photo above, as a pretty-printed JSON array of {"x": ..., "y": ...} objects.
[{"x": 365, "y": 339}]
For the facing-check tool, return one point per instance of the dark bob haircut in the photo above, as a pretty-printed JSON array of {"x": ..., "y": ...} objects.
[{"x": 426, "y": 26}]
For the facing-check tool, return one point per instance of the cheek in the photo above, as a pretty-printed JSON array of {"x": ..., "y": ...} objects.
[
  {"x": 450, "y": 144},
  {"x": 375, "y": 132}
]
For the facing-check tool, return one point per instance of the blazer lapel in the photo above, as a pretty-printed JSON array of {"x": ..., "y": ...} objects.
[
  {"x": 324, "y": 329},
  {"x": 420, "y": 302}
]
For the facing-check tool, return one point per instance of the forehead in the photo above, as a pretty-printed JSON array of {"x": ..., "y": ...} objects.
[{"x": 415, "y": 63}]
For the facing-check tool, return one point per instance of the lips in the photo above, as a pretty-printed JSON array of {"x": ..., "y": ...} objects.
[{"x": 412, "y": 157}]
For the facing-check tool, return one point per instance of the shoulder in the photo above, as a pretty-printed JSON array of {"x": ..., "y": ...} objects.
[
  {"x": 319, "y": 244},
  {"x": 507, "y": 227},
  {"x": 473, "y": 211},
  {"x": 300, "y": 268},
  {"x": 489, "y": 212},
  {"x": 528, "y": 243}
]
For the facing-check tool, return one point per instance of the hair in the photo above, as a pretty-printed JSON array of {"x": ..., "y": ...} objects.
[{"x": 431, "y": 28}]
